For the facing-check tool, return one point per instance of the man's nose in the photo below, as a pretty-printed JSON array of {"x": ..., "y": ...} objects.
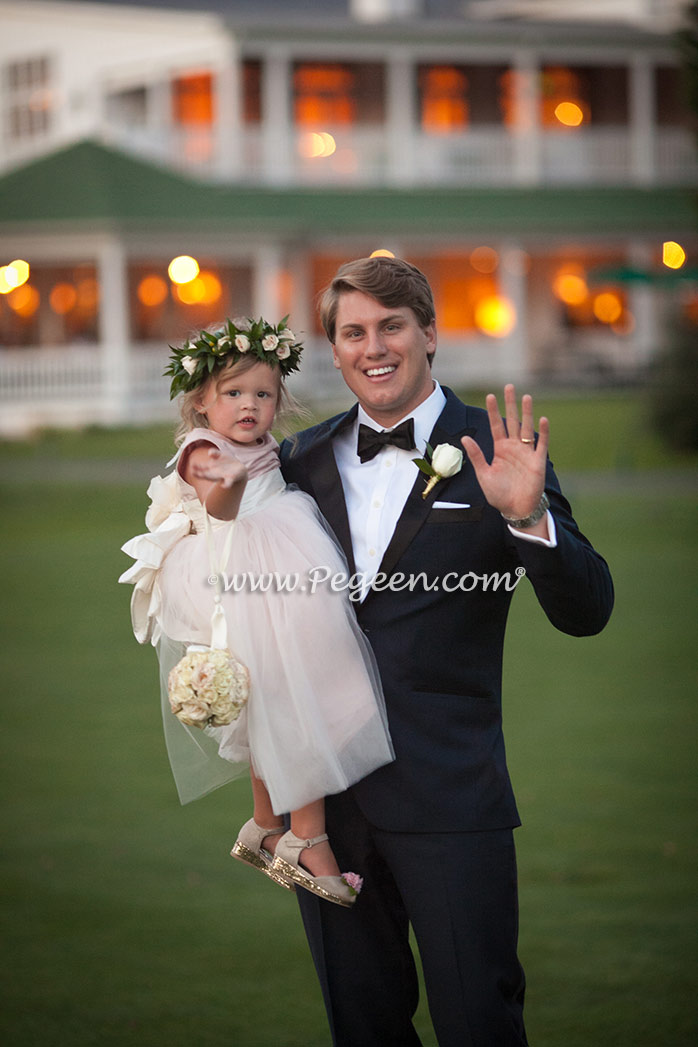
[{"x": 375, "y": 345}]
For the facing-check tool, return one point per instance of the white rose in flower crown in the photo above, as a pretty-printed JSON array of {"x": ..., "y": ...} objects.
[
  {"x": 283, "y": 351},
  {"x": 287, "y": 335},
  {"x": 223, "y": 344},
  {"x": 242, "y": 343},
  {"x": 269, "y": 343},
  {"x": 446, "y": 460},
  {"x": 189, "y": 364},
  {"x": 242, "y": 323}
]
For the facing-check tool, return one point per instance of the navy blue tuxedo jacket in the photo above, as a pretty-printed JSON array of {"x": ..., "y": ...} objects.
[{"x": 439, "y": 651}]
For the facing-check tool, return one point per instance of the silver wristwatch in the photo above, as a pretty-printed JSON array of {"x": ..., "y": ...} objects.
[{"x": 528, "y": 521}]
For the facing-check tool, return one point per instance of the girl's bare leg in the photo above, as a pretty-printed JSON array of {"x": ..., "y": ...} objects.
[
  {"x": 263, "y": 813},
  {"x": 307, "y": 822}
]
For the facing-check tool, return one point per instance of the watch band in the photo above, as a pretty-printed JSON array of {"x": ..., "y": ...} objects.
[{"x": 528, "y": 521}]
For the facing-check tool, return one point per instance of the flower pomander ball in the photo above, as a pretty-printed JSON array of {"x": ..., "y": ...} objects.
[{"x": 208, "y": 687}]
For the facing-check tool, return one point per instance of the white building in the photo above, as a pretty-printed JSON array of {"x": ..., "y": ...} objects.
[{"x": 533, "y": 168}]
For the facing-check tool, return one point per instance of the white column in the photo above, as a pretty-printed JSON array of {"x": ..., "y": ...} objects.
[
  {"x": 513, "y": 350},
  {"x": 114, "y": 333},
  {"x": 401, "y": 128},
  {"x": 228, "y": 117},
  {"x": 277, "y": 137},
  {"x": 527, "y": 130},
  {"x": 642, "y": 302},
  {"x": 159, "y": 121},
  {"x": 266, "y": 283},
  {"x": 642, "y": 121}
]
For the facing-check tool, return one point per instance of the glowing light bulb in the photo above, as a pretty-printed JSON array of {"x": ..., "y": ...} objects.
[
  {"x": 673, "y": 254},
  {"x": 484, "y": 259},
  {"x": 183, "y": 269},
  {"x": 569, "y": 113},
  {"x": 570, "y": 286},
  {"x": 152, "y": 290},
  {"x": 495, "y": 316},
  {"x": 607, "y": 307}
]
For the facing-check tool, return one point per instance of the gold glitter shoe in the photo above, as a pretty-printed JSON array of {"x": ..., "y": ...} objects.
[
  {"x": 248, "y": 849},
  {"x": 342, "y": 890}
]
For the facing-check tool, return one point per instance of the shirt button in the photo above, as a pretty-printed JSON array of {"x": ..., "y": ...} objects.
[
  {"x": 377, "y": 504},
  {"x": 371, "y": 552},
  {"x": 388, "y": 465}
]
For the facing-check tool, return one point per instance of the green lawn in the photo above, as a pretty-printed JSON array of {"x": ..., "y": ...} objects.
[
  {"x": 589, "y": 431},
  {"x": 126, "y": 923}
]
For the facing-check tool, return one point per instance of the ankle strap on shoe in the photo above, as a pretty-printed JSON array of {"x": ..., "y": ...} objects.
[
  {"x": 315, "y": 839},
  {"x": 271, "y": 832}
]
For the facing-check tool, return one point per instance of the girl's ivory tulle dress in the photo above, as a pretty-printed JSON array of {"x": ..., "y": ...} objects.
[{"x": 315, "y": 721}]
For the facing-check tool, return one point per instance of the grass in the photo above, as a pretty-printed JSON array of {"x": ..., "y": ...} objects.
[
  {"x": 124, "y": 920},
  {"x": 588, "y": 432}
]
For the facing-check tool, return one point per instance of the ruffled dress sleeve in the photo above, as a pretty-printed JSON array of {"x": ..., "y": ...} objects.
[{"x": 167, "y": 522}]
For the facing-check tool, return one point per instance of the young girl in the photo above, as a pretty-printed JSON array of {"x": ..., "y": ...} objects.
[{"x": 315, "y": 720}]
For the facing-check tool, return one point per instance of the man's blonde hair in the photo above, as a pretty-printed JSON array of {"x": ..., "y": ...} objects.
[{"x": 391, "y": 281}]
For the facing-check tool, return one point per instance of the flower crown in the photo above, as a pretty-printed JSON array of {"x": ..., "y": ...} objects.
[{"x": 193, "y": 362}]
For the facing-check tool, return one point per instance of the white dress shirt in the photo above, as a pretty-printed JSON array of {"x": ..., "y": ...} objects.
[{"x": 375, "y": 492}]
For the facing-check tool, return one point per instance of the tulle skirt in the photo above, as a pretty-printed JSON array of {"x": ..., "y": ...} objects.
[{"x": 315, "y": 721}]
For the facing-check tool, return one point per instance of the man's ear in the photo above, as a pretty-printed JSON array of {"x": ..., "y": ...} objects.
[
  {"x": 335, "y": 358},
  {"x": 430, "y": 333}
]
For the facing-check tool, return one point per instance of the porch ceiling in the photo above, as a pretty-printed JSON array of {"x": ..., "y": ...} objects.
[{"x": 89, "y": 185}]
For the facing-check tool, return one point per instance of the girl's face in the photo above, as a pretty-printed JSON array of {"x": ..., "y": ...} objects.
[{"x": 241, "y": 406}]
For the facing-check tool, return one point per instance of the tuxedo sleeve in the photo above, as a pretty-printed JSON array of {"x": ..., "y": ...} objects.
[{"x": 572, "y": 581}]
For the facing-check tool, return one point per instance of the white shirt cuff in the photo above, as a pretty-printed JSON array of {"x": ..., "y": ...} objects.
[{"x": 549, "y": 543}]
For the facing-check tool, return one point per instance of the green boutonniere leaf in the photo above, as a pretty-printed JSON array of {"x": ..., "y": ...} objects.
[{"x": 424, "y": 466}]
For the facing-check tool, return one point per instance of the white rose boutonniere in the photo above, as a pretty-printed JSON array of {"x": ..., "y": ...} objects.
[{"x": 443, "y": 461}]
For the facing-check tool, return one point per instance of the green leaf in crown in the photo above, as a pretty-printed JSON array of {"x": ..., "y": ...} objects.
[{"x": 275, "y": 345}]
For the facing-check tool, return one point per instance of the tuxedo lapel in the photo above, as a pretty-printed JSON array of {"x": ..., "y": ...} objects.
[
  {"x": 327, "y": 485},
  {"x": 450, "y": 426}
]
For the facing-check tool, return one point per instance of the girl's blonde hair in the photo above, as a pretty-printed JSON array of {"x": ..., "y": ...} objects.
[{"x": 287, "y": 406}]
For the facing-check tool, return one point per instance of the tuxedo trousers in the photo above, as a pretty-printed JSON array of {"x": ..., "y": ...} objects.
[{"x": 458, "y": 891}]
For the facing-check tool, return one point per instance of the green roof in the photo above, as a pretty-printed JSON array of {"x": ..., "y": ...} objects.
[{"x": 89, "y": 185}]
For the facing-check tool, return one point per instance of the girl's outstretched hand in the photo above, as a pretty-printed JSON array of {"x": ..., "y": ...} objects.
[
  {"x": 224, "y": 469},
  {"x": 219, "y": 479}
]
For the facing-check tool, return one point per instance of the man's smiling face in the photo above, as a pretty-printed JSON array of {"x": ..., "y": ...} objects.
[{"x": 383, "y": 353}]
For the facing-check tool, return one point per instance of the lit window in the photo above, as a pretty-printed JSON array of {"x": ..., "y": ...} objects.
[
  {"x": 561, "y": 102},
  {"x": 57, "y": 305},
  {"x": 443, "y": 102},
  {"x": 192, "y": 99},
  {"x": 324, "y": 94}
]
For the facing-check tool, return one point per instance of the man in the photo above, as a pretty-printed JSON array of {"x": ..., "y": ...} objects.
[{"x": 432, "y": 833}]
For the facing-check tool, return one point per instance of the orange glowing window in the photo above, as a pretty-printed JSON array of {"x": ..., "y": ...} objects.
[
  {"x": 561, "y": 104},
  {"x": 458, "y": 289},
  {"x": 324, "y": 94},
  {"x": 443, "y": 101},
  {"x": 192, "y": 100}
]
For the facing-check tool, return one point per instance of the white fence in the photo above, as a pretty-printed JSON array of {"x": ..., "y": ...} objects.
[{"x": 76, "y": 386}]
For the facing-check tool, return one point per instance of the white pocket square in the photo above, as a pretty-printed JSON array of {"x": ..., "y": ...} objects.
[{"x": 451, "y": 505}]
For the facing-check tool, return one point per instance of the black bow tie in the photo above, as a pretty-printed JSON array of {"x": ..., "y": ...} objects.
[{"x": 371, "y": 441}]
